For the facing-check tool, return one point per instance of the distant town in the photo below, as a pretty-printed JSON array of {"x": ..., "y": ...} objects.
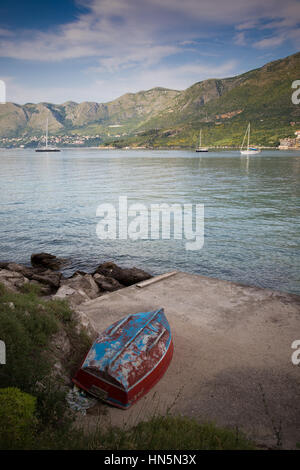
[
  {"x": 290, "y": 143},
  {"x": 58, "y": 140}
]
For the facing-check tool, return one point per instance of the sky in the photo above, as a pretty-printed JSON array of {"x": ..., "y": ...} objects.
[{"x": 97, "y": 50}]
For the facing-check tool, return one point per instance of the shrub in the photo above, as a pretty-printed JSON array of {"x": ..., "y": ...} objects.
[
  {"x": 26, "y": 330},
  {"x": 17, "y": 419}
]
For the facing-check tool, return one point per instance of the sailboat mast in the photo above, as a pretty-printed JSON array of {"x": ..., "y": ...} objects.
[
  {"x": 47, "y": 133},
  {"x": 248, "y": 136}
]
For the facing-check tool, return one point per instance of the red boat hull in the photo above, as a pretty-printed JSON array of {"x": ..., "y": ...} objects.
[{"x": 115, "y": 395}]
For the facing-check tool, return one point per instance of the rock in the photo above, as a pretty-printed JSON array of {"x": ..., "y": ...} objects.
[
  {"x": 46, "y": 260},
  {"x": 15, "y": 275},
  {"x": 11, "y": 305},
  {"x": 74, "y": 296},
  {"x": 83, "y": 321},
  {"x": 78, "y": 288},
  {"x": 126, "y": 276},
  {"x": 61, "y": 343},
  {"x": 25, "y": 270},
  {"x": 107, "y": 283},
  {"x": 60, "y": 350},
  {"x": 12, "y": 280},
  {"x": 49, "y": 278},
  {"x": 3, "y": 264},
  {"x": 83, "y": 282}
]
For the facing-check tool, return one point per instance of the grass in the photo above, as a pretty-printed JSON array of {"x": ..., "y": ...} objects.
[
  {"x": 172, "y": 433},
  {"x": 26, "y": 327},
  {"x": 158, "y": 433}
]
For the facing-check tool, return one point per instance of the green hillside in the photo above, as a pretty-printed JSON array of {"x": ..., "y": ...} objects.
[{"x": 168, "y": 118}]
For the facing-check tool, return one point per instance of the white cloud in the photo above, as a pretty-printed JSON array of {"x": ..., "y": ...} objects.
[
  {"x": 240, "y": 39},
  {"x": 278, "y": 39},
  {"x": 246, "y": 25},
  {"x": 273, "y": 41},
  {"x": 117, "y": 28},
  {"x": 135, "y": 37}
]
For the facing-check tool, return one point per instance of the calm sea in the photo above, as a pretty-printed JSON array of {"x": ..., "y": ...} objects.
[{"x": 48, "y": 203}]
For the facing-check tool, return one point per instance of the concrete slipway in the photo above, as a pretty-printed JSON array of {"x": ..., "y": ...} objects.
[{"x": 232, "y": 354}]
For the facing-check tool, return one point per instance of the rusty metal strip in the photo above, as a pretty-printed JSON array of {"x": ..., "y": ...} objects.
[{"x": 161, "y": 277}]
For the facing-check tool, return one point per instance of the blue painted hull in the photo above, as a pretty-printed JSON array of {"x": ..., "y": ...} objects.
[{"x": 127, "y": 359}]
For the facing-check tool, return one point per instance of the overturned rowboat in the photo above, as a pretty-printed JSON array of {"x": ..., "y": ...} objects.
[{"x": 127, "y": 359}]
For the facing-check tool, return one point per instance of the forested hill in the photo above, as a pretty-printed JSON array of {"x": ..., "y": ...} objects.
[{"x": 163, "y": 117}]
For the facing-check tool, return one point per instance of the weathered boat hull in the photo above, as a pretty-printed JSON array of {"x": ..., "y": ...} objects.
[
  {"x": 134, "y": 355},
  {"x": 116, "y": 396}
]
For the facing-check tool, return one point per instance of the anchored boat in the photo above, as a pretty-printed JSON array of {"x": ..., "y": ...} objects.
[
  {"x": 127, "y": 359},
  {"x": 249, "y": 150},
  {"x": 47, "y": 148},
  {"x": 200, "y": 148}
]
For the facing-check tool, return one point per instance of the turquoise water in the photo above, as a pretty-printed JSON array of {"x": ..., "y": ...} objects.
[{"x": 48, "y": 203}]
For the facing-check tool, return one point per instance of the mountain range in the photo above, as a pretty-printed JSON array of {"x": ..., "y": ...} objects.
[{"x": 162, "y": 117}]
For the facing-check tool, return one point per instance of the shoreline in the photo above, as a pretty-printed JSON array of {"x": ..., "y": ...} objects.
[
  {"x": 67, "y": 271},
  {"x": 146, "y": 148},
  {"x": 232, "y": 343}
]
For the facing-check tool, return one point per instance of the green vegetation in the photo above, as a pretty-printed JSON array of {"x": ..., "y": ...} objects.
[
  {"x": 172, "y": 433},
  {"x": 26, "y": 330},
  {"x": 33, "y": 409},
  {"x": 17, "y": 419},
  {"x": 171, "y": 119},
  {"x": 28, "y": 325}
]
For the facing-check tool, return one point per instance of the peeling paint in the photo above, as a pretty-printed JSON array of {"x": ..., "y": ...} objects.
[{"x": 130, "y": 349}]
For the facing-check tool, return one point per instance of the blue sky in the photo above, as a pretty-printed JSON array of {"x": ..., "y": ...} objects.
[{"x": 97, "y": 50}]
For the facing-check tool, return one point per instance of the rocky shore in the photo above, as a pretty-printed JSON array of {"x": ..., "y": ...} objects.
[{"x": 44, "y": 272}]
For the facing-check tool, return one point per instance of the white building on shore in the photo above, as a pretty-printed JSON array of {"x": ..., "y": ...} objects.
[{"x": 290, "y": 143}]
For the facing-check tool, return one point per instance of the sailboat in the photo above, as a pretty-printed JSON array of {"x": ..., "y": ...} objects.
[
  {"x": 47, "y": 148},
  {"x": 249, "y": 150},
  {"x": 201, "y": 149}
]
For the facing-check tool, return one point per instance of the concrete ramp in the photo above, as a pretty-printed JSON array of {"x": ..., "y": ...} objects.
[{"x": 232, "y": 354}]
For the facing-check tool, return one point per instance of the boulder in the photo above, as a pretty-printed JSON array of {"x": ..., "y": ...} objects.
[
  {"x": 12, "y": 280},
  {"x": 107, "y": 283},
  {"x": 46, "y": 260},
  {"x": 125, "y": 276},
  {"x": 25, "y": 270},
  {"x": 74, "y": 296},
  {"x": 49, "y": 278},
  {"x": 83, "y": 282},
  {"x": 78, "y": 288},
  {"x": 83, "y": 321}
]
